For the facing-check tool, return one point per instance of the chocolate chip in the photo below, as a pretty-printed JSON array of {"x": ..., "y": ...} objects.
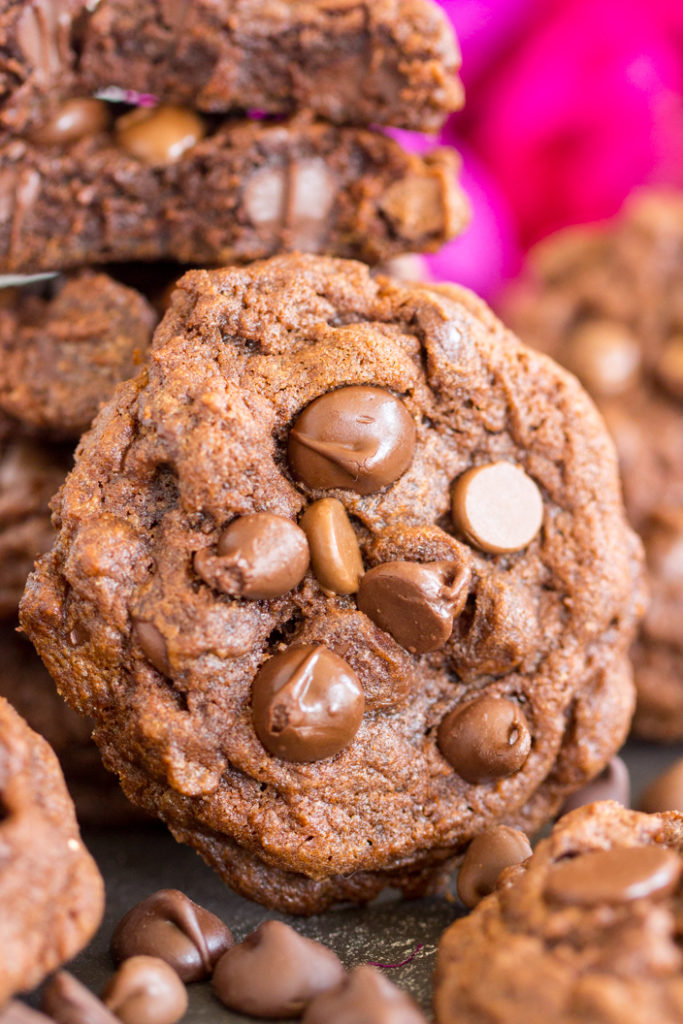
[
  {"x": 366, "y": 996},
  {"x": 498, "y": 507},
  {"x": 613, "y": 783},
  {"x": 67, "y": 1001},
  {"x": 488, "y": 854},
  {"x": 605, "y": 356},
  {"x": 145, "y": 990},
  {"x": 619, "y": 875},
  {"x": 360, "y": 438},
  {"x": 670, "y": 366},
  {"x": 159, "y": 136},
  {"x": 415, "y": 603},
  {"x": 73, "y": 120},
  {"x": 260, "y": 556},
  {"x": 486, "y": 739},
  {"x": 307, "y": 704},
  {"x": 275, "y": 972},
  {"x": 666, "y": 792},
  {"x": 297, "y": 197},
  {"x": 153, "y": 645},
  {"x": 335, "y": 555},
  {"x": 170, "y": 926}
]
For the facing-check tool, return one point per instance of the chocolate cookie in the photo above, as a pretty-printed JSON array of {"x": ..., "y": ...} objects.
[
  {"x": 608, "y": 303},
  {"x": 454, "y": 653},
  {"x": 63, "y": 351},
  {"x": 356, "y": 61},
  {"x": 51, "y": 892},
  {"x": 167, "y": 184},
  {"x": 586, "y": 930}
]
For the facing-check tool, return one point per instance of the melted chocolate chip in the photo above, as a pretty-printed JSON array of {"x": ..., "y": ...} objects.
[
  {"x": 307, "y": 704},
  {"x": 153, "y": 645},
  {"x": 619, "y": 875},
  {"x": 145, "y": 990},
  {"x": 160, "y": 136},
  {"x": 486, "y": 739},
  {"x": 75, "y": 119},
  {"x": 366, "y": 996},
  {"x": 605, "y": 356},
  {"x": 335, "y": 555},
  {"x": 67, "y": 1001},
  {"x": 415, "y": 603},
  {"x": 613, "y": 783},
  {"x": 275, "y": 972},
  {"x": 488, "y": 854},
  {"x": 170, "y": 926},
  {"x": 666, "y": 792},
  {"x": 498, "y": 507},
  {"x": 260, "y": 556},
  {"x": 360, "y": 438}
]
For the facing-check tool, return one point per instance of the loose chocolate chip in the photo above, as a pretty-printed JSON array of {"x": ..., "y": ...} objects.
[
  {"x": 498, "y": 507},
  {"x": 307, "y": 704},
  {"x": 160, "y": 136},
  {"x": 486, "y": 739},
  {"x": 170, "y": 926},
  {"x": 73, "y": 120},
  {"x": 366, "y": 996},
  {"x": 66, "y": 1001},
  {"x": 666, "y": 792},
  {"x": 260, "y": 556},
  {"x": 670, "y": 366},
  {"x": 360, "y": 438},
  {"x": 415, "y": 603},
  {"x": 619, "y": 875},
  {"x": 487, "y": 855},
  {"x": 145, "y": 990},
  {"x": 605, "y": 356},
  {"x": 153, "y": 645},
  {"x": 275, "y": 972},
  {"x": 613, "y": 783},
  {"x": 335, "y": 555}
]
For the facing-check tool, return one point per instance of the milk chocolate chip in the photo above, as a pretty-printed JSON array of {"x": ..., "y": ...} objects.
[
  {"x": 415, "y": 603},
  {"x": 73, "y": 120},
  {"x": 160, "y": 136},
  {"x": 307, "y": 704},
  {"x": 275, "y": 972},
  {"x": 260, "y": 556},
  {"x": 170, "y": 926},
  {"x": 613, "y": 783},
  {"x": 153, "y": 645},
  {"x": 605, "y": 356},
  {"x": 666, "y": 792},
  {"x": 488, "y": 854},
  {"x": 619, "y": 875},
  {"x": 486, "y": 739},
  {"x": 67, "y": 1001},
  {"x": 145, "y": 990},
  {"x": 360, "y": 438},
  {"x": 366, "y": 996},
  {"x": 498, "y": 507},
  {"x": 335, "y": 555}
]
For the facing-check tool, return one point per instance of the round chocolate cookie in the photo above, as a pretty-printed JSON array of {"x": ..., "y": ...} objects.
[
  {"x": 62, "y": 351},
  {"x": 607, "y": 302},
  {"x": 51, "y": 893},
  {"x": 454, "y": 653},
  {"x": 587, "y": 929}
]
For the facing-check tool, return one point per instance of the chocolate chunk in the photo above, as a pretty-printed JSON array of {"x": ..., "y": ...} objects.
[
  {"x": 260, "y": 556},
  {"x": 666, "y": 792},
  {"x": 275, "y": 972},
  {"x": 335, "y": 555},
  {"x": 73, "y": 120},
  {"x": 486, "y": 739},
  {"x": 415, "y": 603},
  {"x": 605, "y": 356},
  {"x": 67, "y": 1001},
  {"x": 307, "y": 704},
  {"x": 670, "y": 366},
  {"x": 170, "y": 926},
  {"x": 361, "y": 438},
  {"x": 153, "y": 645},
  {"x": 160, "y": 136},
  {"x": 498, "y": 507},
  {"x": 619, "y": 875},
  {"x": 613, "y": 783},
  {"x": 145, "y": 990},
  {"x": 488, "y": 854},
  {"x": 366, "y": 996}
]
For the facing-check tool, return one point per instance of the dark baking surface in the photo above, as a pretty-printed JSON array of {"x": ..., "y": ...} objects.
[{"x": 137, "y": 862}]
